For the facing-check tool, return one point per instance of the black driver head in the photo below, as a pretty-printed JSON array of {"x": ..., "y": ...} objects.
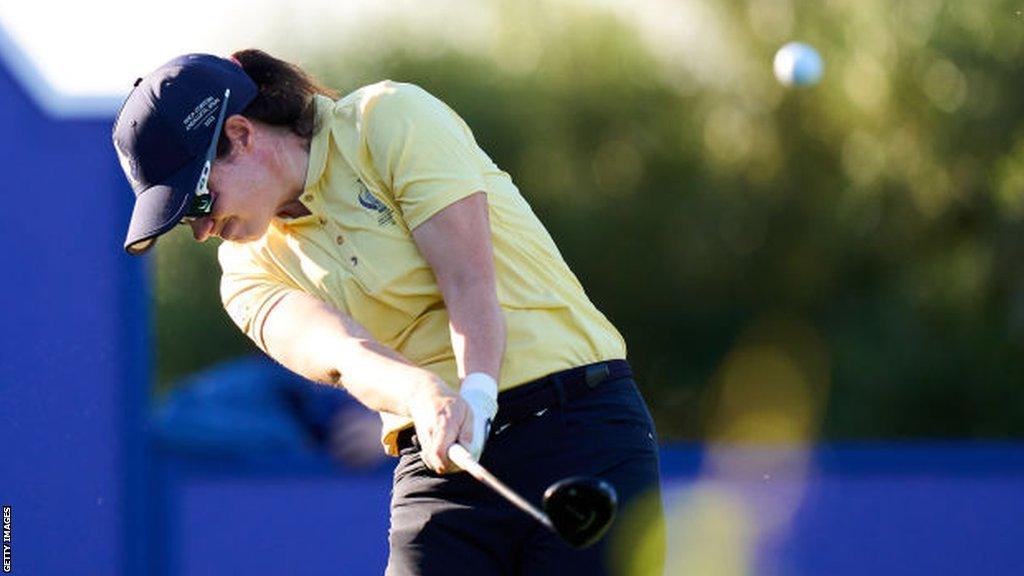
[{"x": 581, "y": 509}]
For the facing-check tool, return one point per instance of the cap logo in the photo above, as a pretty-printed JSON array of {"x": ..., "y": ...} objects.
[{"x": 202, "y": 115}]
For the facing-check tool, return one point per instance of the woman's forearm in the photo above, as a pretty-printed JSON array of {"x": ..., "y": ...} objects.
[
  {"x": 477, "y": 327},
  {"x": 456, "y": 242},
  {"x": 322, "y": 344}
]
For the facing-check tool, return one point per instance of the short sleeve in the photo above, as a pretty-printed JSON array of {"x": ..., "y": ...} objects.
[
  {"x": 423, "y": 151},
  {"x": 249, "y": 292}
]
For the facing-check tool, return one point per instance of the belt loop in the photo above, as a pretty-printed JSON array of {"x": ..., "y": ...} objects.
[
  {"x": 556, "y": 380},
  {"x": 596, "y": 374}
]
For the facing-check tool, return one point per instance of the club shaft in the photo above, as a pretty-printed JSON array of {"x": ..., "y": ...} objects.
[{"x": 461, "y": 457}]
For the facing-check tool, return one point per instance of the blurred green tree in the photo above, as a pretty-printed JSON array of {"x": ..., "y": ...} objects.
[{"x": 695, "y": 197}]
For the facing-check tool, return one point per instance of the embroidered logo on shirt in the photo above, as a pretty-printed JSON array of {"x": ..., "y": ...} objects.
[{"x": 385, "y": 217}]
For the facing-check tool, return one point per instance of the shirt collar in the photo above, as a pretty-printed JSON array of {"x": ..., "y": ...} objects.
[{"x": 318, "y": 143}]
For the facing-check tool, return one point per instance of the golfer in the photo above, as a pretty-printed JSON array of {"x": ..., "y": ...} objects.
[{"x": 369, "y": 243}]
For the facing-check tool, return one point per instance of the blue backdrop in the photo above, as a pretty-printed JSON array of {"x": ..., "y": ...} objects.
[
  {"x": 908, "y": 509},
  {"x": 73, "y": 339}
]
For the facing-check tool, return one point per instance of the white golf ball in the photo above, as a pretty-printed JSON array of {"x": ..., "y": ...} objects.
[{"x": 797, "y": 64}]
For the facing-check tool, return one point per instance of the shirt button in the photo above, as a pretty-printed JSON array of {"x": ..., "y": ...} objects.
[
  {"x": 323, "y": 221},
  {"x": 340, "y": 239}
]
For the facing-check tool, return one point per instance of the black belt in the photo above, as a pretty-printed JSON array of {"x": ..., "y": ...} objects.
[{"x": 551, "y": 390}]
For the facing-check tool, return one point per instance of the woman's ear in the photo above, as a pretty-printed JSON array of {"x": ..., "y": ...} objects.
[{"x": 239, "y": 130}]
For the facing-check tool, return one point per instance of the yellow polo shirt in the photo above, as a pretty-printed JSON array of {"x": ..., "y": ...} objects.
[{"x": 383, "y": 160}]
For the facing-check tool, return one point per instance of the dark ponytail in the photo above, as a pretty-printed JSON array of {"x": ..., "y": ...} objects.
[{"x": 285, "y": 95}]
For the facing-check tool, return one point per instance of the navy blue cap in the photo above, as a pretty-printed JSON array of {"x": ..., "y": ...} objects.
[{"x": 163, "y": 131}]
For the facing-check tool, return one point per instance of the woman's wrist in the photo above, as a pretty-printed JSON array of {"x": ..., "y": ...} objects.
[{"x": 479, "y": 382}]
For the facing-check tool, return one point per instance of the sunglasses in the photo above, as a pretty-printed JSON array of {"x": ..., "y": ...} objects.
[{"x": 202, "y": 201}]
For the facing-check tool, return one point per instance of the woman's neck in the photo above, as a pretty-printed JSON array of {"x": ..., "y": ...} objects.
[{"x": 293, "y": 161}]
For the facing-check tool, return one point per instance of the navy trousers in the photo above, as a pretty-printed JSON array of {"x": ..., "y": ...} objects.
[{"x": 587, "y": 421}]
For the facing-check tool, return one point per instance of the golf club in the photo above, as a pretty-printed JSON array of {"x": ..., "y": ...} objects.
[{"x": 579, "y": 509}]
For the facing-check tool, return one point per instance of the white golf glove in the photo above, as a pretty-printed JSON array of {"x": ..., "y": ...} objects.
[{"x": 480, "y": 391}]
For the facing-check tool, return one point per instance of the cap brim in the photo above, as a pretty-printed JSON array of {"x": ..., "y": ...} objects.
[{"x": 159, "y": 209}]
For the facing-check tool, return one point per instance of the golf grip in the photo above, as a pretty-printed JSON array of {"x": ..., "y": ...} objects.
[{"x": 462, "y": 458}]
